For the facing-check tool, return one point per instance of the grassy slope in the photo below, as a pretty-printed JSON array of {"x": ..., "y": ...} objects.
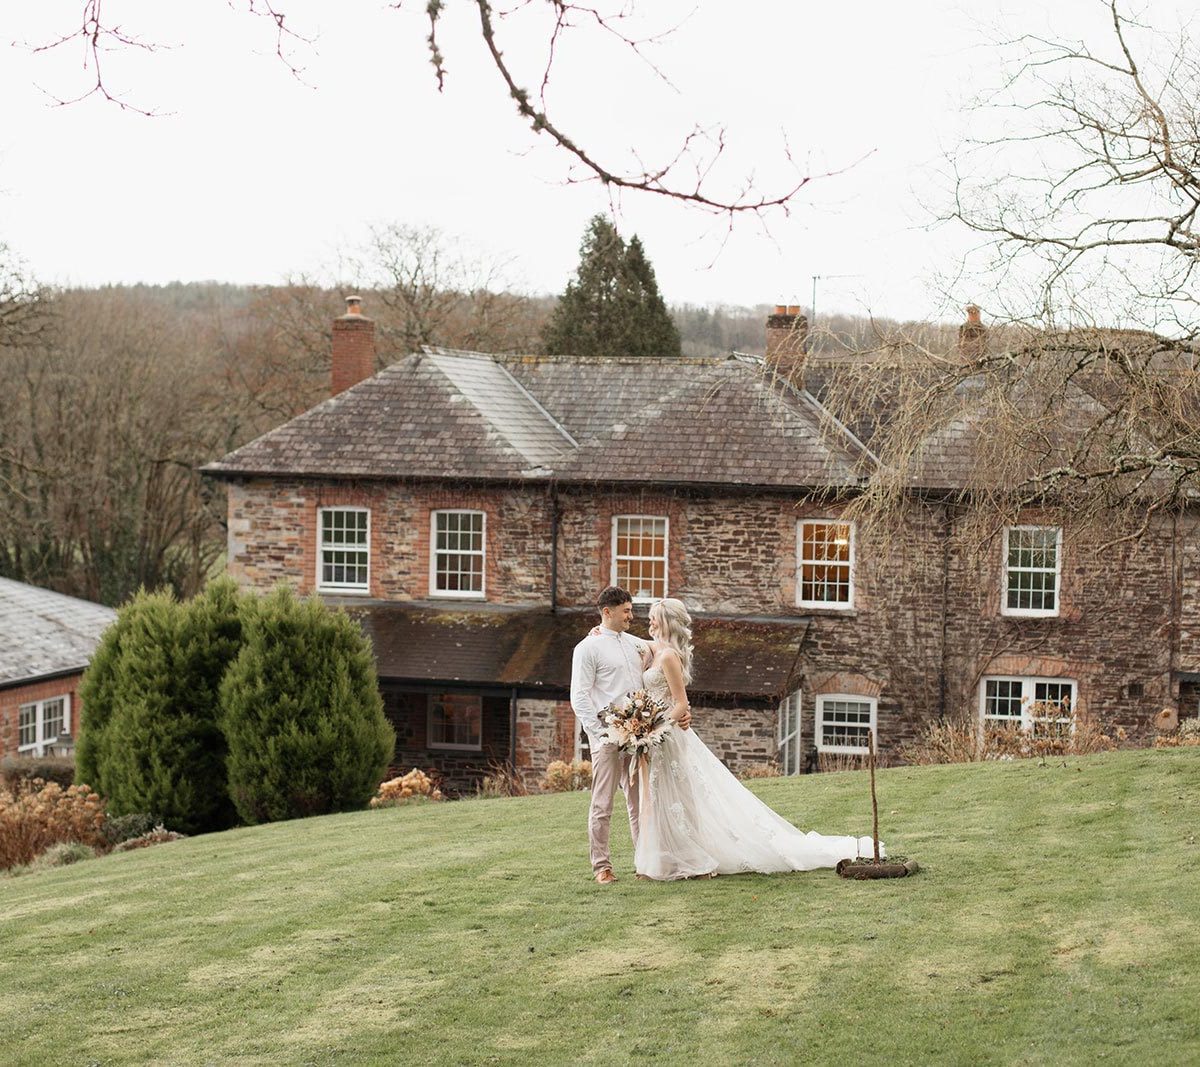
[{"x": 1057, "y": 920}]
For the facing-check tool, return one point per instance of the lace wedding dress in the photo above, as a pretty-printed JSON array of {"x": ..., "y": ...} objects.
[{"x": 698, "y": 819}]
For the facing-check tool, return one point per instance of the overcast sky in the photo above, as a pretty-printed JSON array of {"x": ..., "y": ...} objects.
[{"x": 247, "y": 174}]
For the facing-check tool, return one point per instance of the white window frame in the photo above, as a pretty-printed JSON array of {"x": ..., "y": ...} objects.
[
  {"x": 581, "y": 739},
  {"x": 429, "y": 741},
  {"x": 1032, "y": 613},
  {"x": 1029, "y": 685},
  {"x": 350, "y": 588},
  {"x": 790, "y": 748},
  {"x": 666, "y": 556},
  {"x": 827, "y": 605},
  {"x": 819, "y": 721},
  {"x": 41, "y": 740},
  {"x": 457, "y": 594}
]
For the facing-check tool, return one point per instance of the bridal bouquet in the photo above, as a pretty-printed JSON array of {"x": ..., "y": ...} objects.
[{"x": 636, "y": 724}]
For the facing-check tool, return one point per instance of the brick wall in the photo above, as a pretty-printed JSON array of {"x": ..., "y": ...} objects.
[{"x": 12, "y": 698}]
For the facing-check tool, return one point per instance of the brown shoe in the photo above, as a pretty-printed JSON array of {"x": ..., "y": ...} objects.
[{"x": 605, "y": 876}]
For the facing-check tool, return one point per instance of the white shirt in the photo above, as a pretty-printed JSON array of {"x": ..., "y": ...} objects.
[{"x": 604, "y": 668}]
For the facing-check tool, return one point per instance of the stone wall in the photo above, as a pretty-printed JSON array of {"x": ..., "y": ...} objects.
[
  {"x": 273, "y": 535},
  {"x": 1130, "y": 614}
]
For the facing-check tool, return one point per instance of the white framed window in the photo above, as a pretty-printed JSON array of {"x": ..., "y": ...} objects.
[
  {"x": 788, "y": 733},
  {"x": 583, "y": 743},
  {"x": 1041, "y": 706},
  {"x": 344, "y": 550},
  {"x": 458, "y": 556},
  {"x": 1032, "y": 567},
  {"x": 639, "y": 555},
  {"x": 825, "y": 564},
  {"x": 42, "y": 722},
  {"x": 455, "y": 721},
  {"x": 844, "y": 723}
]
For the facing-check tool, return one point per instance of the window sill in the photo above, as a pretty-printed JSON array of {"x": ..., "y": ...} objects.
[
  {"x": 435, "y": 594},
  {"x": 343, "y": 590},
  {"x": 838, "y": 751},
  {"x": 826, "y": 611},
  {"x": 454, "y": 748},
  {"x": 1013, "y": 613}
]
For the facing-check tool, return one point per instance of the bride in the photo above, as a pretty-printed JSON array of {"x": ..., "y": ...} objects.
[{"x": 697, "y": 819}]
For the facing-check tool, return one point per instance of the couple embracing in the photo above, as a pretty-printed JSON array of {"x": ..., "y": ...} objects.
[{"x": 689, "y": 816}]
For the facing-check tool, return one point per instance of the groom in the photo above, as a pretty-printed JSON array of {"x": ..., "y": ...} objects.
[{"x": 605, "y": 667}]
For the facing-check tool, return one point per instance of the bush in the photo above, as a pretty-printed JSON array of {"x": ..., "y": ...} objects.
[
  {"x": 118, "y": 828},
  {"x": 63, "y": 855},
  {"x": 966, "y": 742},
  {"x": 97, "y": 698},
  {"x": 16, "y": 769},
  {"x": 161, "y": 748},
  {"x": 159, "y": 835},
  {"x": 501, "y": 781},
  {"x": 301, "y": 713},
  {"x": 1186, "y": 736},
  {"x": 563, "y": 777},
  {"x": 36, "y": 815},
  {"x": 416, "y": 785},
  {"x": 760, "y": 770}
]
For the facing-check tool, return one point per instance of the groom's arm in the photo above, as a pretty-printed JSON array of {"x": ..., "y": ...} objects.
[{"x": 583, "y": 678}]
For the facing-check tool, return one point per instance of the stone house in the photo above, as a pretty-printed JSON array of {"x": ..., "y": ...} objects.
[
  {"x": 46, "y": 641},
  {"x": 466, "y": 508}
]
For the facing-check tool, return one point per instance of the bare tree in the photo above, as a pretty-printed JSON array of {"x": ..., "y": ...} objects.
[
  {"x": 1084, "y": 396},
  {"x": 687, "y": 173}
]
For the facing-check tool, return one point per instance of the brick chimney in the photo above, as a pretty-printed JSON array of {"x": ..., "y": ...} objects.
[
  {"x": 972, "y": 335},
  {"x": 353, "y": 347},
  {"x": 787, "y": 333}
]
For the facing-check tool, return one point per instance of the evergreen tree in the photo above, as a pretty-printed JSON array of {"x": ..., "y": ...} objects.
[
  {"x": 612, "y": 307},
  {"x": 301, "y": 712},
  {"x": 652, "y": 331},
  {"x": 151, "y": 702},
  {"x": 97, "y": 696}
]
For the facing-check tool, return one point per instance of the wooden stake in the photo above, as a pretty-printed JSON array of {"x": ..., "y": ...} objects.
[{"x": 874, "y": 801}]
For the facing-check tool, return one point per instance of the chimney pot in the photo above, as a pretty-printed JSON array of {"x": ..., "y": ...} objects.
[
  {"x": 781, "y": 309},
  {"x": 354, "y": 305},
  {"x": 793, "y": 309}
]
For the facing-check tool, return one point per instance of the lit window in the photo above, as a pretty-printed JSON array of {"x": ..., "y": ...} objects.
[
  {"x": 456, "y": 565},
  {"x": 1044, "y": 707},
  {"x": 42, "y": 723},
  {"x": 789, "y": 735},
  {"x": 844, "y": 724},
  {"x": 640, "y": 556},
  {"x": 344, "y": 551},
  {"x": 1032, "y": 562},
  {"x": 456, "y": 721},
  {"x": 825, "y": 551}
]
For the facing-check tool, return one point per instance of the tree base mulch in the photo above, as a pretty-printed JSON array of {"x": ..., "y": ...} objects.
[{"x": 897, "y": 867}]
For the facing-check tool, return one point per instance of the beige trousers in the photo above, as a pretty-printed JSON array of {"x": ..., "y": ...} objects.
[{"x": 610, "y": 766}]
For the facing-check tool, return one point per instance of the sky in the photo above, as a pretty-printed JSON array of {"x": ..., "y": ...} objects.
[{"x": 246, "y": 173}]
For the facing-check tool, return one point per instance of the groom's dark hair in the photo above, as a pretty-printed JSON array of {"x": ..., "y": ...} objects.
[{"x": 612, "y": 597}]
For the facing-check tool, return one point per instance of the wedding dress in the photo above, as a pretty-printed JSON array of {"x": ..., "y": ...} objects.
[{"x": 698, "y": 819}]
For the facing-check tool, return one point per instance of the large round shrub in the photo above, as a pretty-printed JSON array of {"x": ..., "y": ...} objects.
[
  {"x": 301, "y": 713},
  {"x": 97, "y": 697},
  {"x": 158, "y": 747}
]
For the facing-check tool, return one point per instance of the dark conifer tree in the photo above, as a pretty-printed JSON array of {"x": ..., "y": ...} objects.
[
  {"x": 301, "y": 712},
  {"x": 612, "y": 307}
]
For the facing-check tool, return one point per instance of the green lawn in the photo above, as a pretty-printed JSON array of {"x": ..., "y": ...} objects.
[{"x": 1056, "y": 920}]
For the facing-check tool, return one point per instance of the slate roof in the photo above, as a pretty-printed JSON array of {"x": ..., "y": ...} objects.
[
  {"x": 468, "y": 415},
  {"x": 43, "y": 633},
  {"x": 531, "y": 649}
]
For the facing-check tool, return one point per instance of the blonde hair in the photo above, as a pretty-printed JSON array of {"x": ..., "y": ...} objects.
[{"x": 675, "y": 628}]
